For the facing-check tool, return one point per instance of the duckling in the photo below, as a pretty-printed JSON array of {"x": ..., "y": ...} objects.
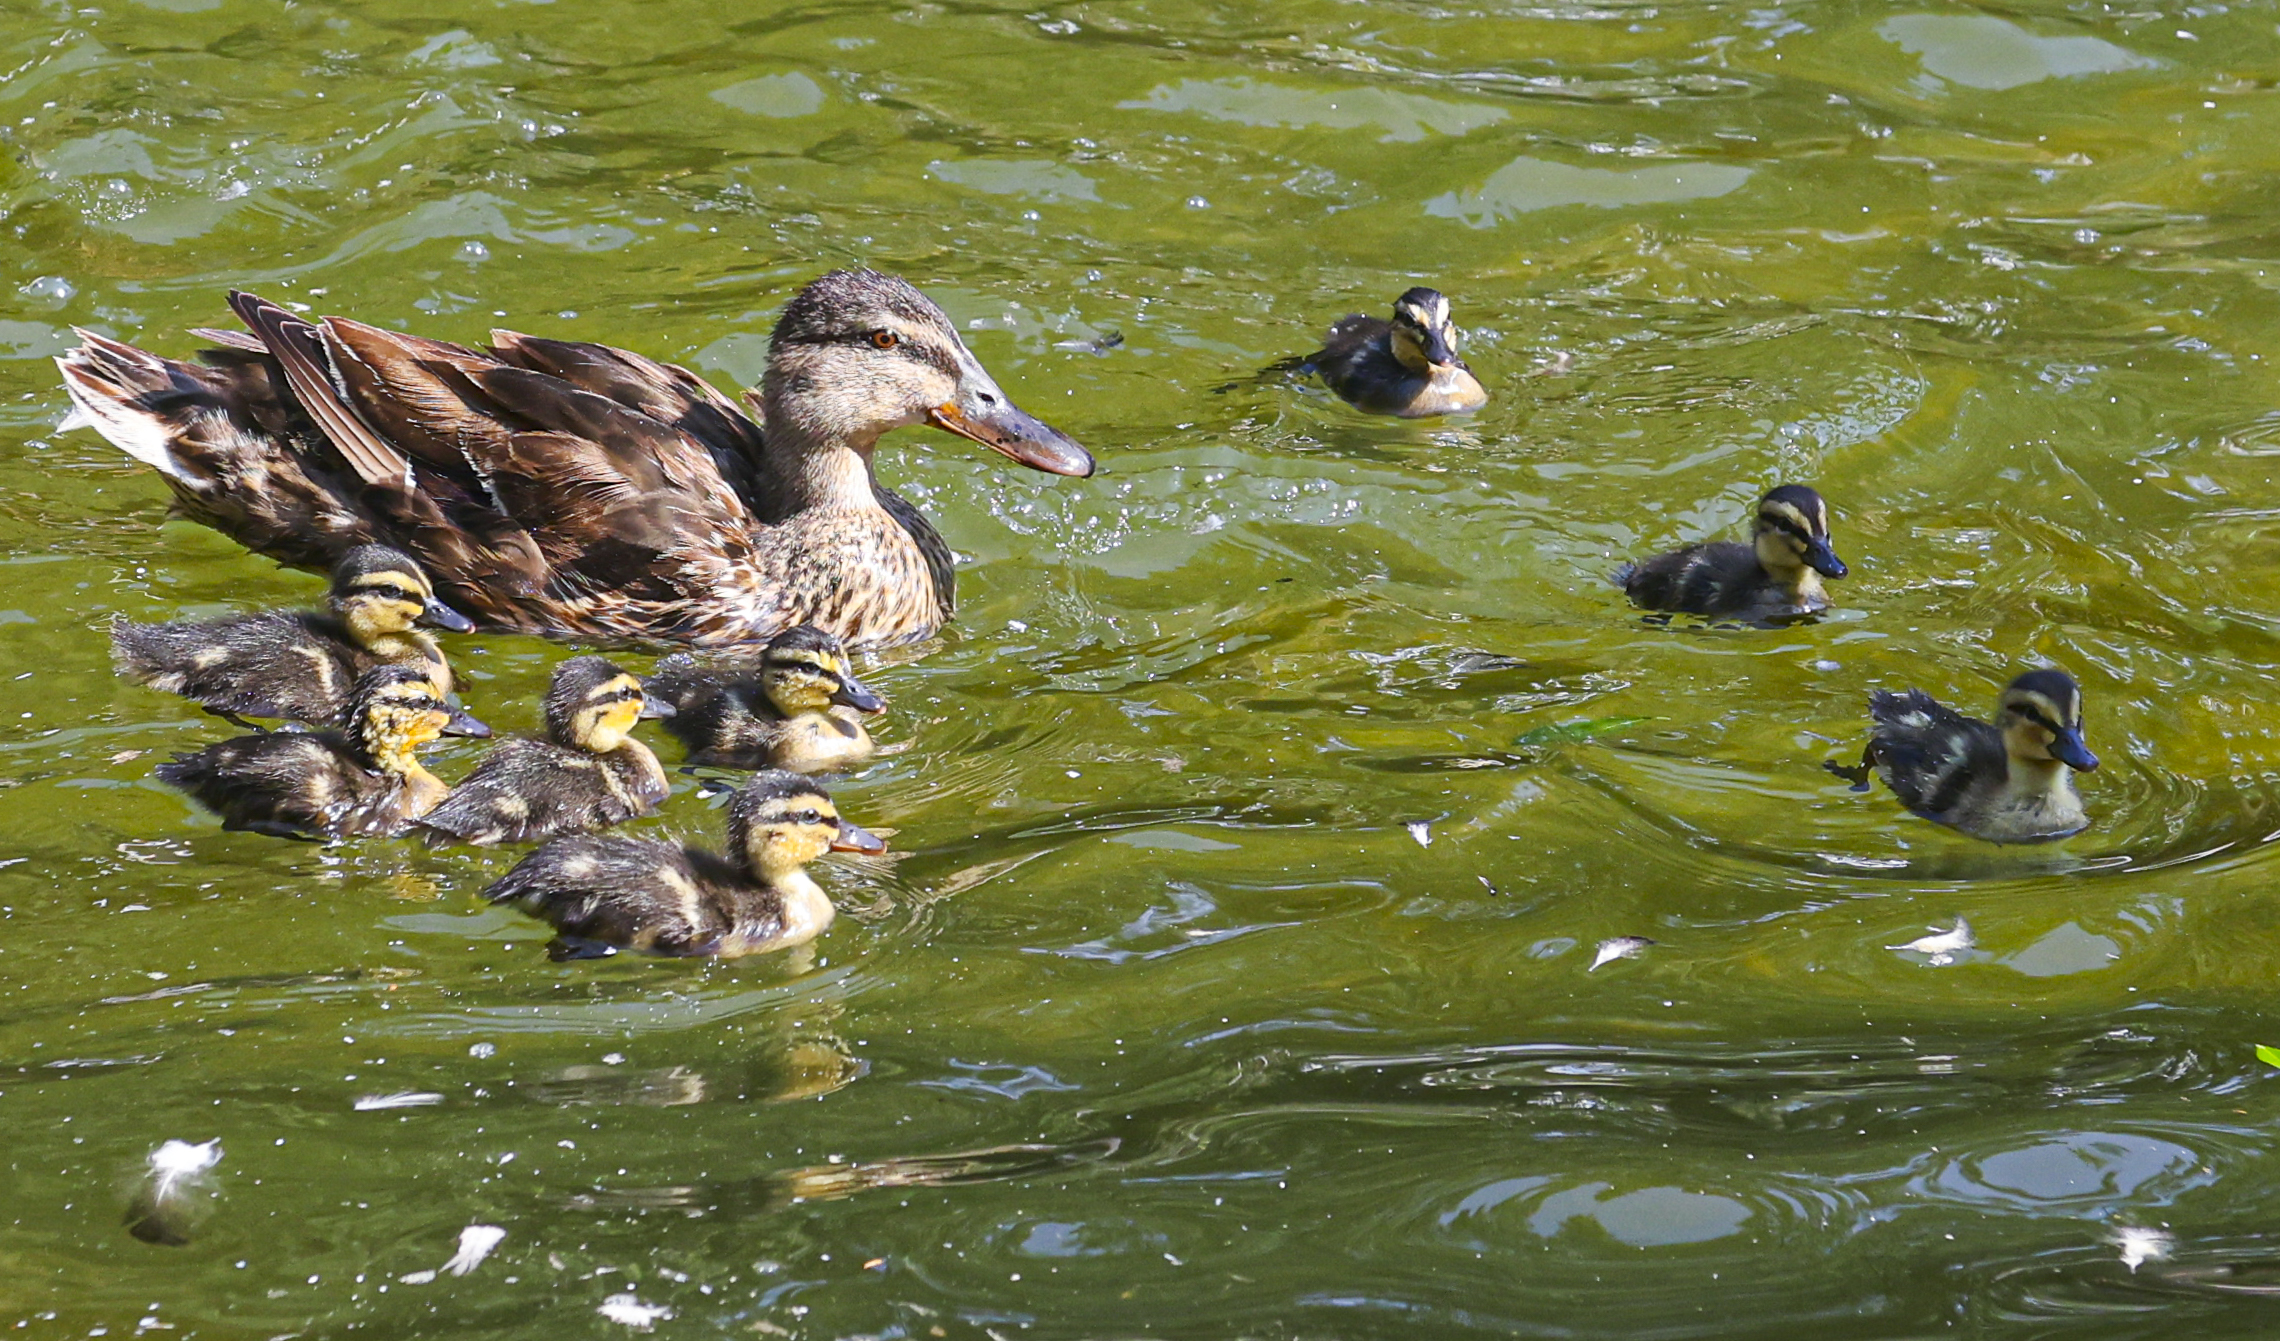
[
  {"x": 1776, "y": 576},
  {"x": 606, "y": 893},
  {"x": 362, "y": 779},
  {"x": 1407, "y": 366},
  {"x": 2007, "y": 781},
  {"x": 587, "y": 774},
  {"x": 301, "y": 664},
  {"x": 798, "y": 712}
]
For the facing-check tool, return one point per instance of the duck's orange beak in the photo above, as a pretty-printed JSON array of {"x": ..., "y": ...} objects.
[{"x": 999, "y": 424}]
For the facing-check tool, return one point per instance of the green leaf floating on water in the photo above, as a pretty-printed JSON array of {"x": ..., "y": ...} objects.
[
  {"x": 1544, "y": 737},
  {"x": 2268, "y": 1054}
]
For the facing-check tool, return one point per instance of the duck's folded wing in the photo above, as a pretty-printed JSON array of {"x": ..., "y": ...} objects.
[
  {"x": 665, "y": 392},
  {"x": 384, "y": 407},
  {"x": 587, "y": 494}
]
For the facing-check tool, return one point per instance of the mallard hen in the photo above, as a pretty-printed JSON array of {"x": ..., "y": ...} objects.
[{"x": 566, "y": 488}]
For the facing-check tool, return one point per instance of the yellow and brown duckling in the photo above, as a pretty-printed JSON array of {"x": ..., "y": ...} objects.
[
  {"x": 607, "y": 893},
  {"x": 2008, "y": 781},
  {"x": 569, "y": 488},
  {"x": 1776, "y": 576},
  {"x": 301, "y": 665},
  {"x": 1407, "y": 366},
  {"x": 363, "y": 778},
  {"x": 799, "y": 709},
  {"x": 589, "y": 772}
]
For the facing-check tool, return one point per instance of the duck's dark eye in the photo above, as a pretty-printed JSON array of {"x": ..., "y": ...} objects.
[{"x": 885, "y": 339}]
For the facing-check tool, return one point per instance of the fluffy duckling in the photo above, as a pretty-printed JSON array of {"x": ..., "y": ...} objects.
[
  {"x": 1407, "y": 366},
  {"x": 798, "y": 710},
  {"x": 607, "y": 893},
  {"x": 1776, "y": 576},
  {"x": 301, "y": 665},
  {"x": 589, "y": 772},
  {"x": 362, "y": 779},
  {"x": 2008, "y": 781}
]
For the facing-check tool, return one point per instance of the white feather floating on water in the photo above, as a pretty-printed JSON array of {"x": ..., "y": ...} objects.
[
  {"x": 2140, "y": 1246},
  {"x": 1618, "y": 947},
  {"x": 369, "y": 1103},
  {"x": 628, "y": 1310},
  {"x": 475, "y": 1244},
  {"x": 175, "y": 1194},
  {"x": 1941, "y": 947}
]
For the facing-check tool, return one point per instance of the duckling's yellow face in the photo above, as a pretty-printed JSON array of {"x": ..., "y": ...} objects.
[
  {"x": 377, "y": 604},
  {"x": 788, "y": 832},
  {"x": 1424, "y": 337},
  {"x": 606, "y": 716},
  {"x": 1792, "y": 533},
  {"x": 399, "y": 715},
  {"x": 2041, "y": 717},
  {"x": 801, "y": 680}
]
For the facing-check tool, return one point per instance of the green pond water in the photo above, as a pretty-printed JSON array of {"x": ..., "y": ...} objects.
[{"x": 1233, "y": 978}]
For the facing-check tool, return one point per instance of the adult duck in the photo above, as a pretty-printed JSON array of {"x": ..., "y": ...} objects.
[{"x": 564, "y": 488}]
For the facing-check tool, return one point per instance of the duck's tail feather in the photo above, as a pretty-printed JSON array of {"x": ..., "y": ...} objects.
[{"x": 113, "y": 388}]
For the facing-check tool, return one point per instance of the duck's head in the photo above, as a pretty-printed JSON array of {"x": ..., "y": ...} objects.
[
  {"x": 379, "y": 591},
  {"x": 395, "y": 710},
  {"x": 1424, "y": 338},
  {"x": 592, "y": 705},
  {"x": 2041, "y": 716},
  {"x": 857, "y": 353},
  {"x": 1792, "y": 532},
  {"x": 781, "y": 822},
  {"x": 805, "y": 670}
]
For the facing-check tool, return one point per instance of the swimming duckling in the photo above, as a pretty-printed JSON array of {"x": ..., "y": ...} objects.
[
  {"x": 606, "y": 893},
  {"x": 362, "y": 779},
  {"x": 2007, "y": 781},
  {"x": 587, "y": 774},
  {"x": 301, "y": 664},
  {"x": 1776, "y": 576},
  {"x": 1407, "y": 366},
  {"x": 797, "y": 711}
]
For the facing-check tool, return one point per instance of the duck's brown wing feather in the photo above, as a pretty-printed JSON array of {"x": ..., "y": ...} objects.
[
  {"x": 665, "y": 392},
  {"x": 509, "y": 482}
]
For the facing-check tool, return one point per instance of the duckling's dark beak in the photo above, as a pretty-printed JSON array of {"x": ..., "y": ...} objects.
[
  {"x": 653, "y": 707},
  {"x": 1822, "y": 559},
  {"x": 465, "y": 723},
  {"x": 2066, "y": 746},
  {"x": 444, "y": 617},
  {"x": 853, "y": 838},
  {"x": 1437, "y": 349},
  {"x": 989, "y": 417},
  {"x": 852, "y": 694}
]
